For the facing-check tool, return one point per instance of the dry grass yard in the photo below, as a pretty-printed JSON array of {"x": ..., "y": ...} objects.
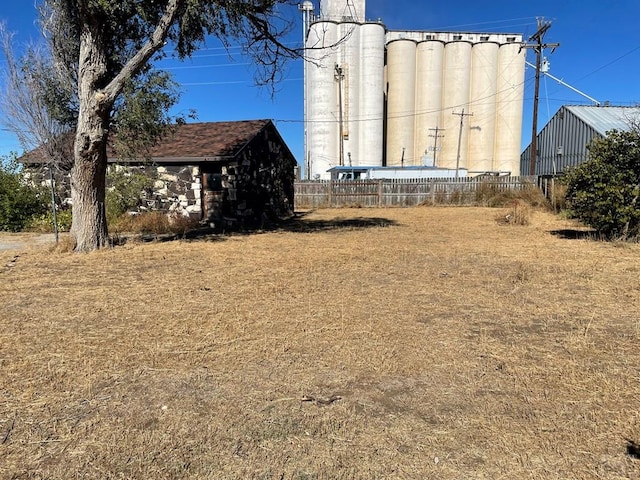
[{"x": 423, "y": 343}]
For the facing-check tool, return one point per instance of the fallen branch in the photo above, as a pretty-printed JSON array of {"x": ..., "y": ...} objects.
[
  {"x": 320, "y": 400},
  {"x": 8, "y": 434}
]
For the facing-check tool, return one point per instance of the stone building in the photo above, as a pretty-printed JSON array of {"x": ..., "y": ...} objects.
[{"x": 226, "y": 174}]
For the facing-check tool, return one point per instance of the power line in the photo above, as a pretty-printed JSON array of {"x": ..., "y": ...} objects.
[
  {"x": 610, "y": 63},
  {"x": 188, "y": 67}
]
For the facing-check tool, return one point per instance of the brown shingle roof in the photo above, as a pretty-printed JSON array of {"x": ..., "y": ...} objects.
[{"x": 206, "y": 140}]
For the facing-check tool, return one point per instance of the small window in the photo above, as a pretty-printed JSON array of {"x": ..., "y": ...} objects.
[
  {"x": 457, "y": 37},
  {"x": 428, "y": 37},
  {"x": 511, "y": 39},
  {"x": 484, "y": 39}
]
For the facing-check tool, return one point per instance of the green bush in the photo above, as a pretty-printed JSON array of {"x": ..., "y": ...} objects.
[
  {"x": 19, "y": 201},
  {"x": 44, "y": 222},
  {"x": 125, "y": 190},
  {"x": 604, "y": 192}
]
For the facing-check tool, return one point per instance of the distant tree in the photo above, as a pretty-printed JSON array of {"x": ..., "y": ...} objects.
[
  {"x": 604, "y": 191},
  {"x": 36, "y": 103},
  {"x": 19, "y": 200},
  {"x": 104, "y": 47}
]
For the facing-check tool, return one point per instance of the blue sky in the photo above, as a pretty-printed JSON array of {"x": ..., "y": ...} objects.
[{"x": 599, "y": 54}]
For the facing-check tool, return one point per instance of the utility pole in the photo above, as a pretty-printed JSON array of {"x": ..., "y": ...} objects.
[
  {"x": 462, "y": 115},
  {"x": 435, "y": 142},
  {"x": 537, "y": 47},
  {"x": 339, "y": 76}
]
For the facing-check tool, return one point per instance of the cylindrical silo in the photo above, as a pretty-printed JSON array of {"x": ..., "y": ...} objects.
[
  {"x": 455, "y": 104},
  {"x": 322, "y": 99},
  {"x": 484, "y": 86},
  {"x": 509, "y": 108},
  {"x": 401, "y": 86},
  {"x": 428, "y": 120},
  {"x": 371, "y": 94},
  {"x": 350, "y": 64}
]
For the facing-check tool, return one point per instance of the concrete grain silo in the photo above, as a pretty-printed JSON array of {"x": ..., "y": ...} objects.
[
  {"x": 509, "y": 107},
  {"x": 322, "y": 98},
  {"x": 349, "y": 91},
  {"x": 482, "y": 104},
  {"x": 401, "y": 88},
  {"x": 378, "y": 97},
  {"x": 455, "y": 100},
  {"x": 371, "y": 95},
  {"x": 428, "y": 107}
]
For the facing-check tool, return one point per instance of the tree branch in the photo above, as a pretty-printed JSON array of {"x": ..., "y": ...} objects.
[{"x": 142, "y": 57}]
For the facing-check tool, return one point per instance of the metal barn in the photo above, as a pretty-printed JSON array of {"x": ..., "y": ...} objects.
[{"x": 563, "y": 141}]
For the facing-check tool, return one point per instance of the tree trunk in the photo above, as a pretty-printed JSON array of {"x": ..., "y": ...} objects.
[
  {"x": 97, "y": 93},
  {"x": 88, "y": 175}
]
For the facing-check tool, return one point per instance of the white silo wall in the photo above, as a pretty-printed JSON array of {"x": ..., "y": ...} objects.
[
  {"x": 350, "y": 63},
  {"x": 484, "y": 86},
  {"x": 509, "y": 108},
  {"x": 371, "y": 95},
  {"x": 429, "y": 67},
  {"x": 339, "y": 10},
  {"x": 322, "y": 99},
  {"x": 401, "y": 85},
  {"x": 455, "y": 99}
]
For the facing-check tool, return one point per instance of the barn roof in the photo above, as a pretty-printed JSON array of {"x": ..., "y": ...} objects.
[{"x": 603, "y": 119}]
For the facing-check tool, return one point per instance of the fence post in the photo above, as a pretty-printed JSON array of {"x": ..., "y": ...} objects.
[
  {"x": 433, "y": 191},
  {"x": 380, "y": 190}
]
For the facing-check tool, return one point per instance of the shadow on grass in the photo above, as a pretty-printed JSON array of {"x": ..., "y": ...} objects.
[
  {"x": 300, "y": 224},
  {"x": 575, "y": 234},
  {"x": 296, "y": 224}
]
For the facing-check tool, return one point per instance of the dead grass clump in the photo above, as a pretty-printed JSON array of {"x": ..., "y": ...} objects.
[
  {"x": 65, "y": 244},
  {"x": 532, "y": 196},
  {"x": 519, "y": 214},
  {"x": 153, "y": 223}
]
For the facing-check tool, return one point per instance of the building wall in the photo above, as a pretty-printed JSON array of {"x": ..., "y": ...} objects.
[
  {"x": 254, "y": 188},
  {"x": 562, "y": 143}
]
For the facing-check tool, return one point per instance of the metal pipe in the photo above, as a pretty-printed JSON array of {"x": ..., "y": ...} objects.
[{"x": 566, "y": 85}]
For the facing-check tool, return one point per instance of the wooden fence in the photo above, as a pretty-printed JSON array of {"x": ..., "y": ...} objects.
[{"x": 405, "y": 192}]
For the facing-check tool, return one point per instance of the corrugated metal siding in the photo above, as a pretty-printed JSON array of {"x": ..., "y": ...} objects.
[
  {"x": 573, "y": 128},
  {"x": 565, "y": 132}
]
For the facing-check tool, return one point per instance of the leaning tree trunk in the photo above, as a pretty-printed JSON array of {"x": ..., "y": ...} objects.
[{"x": 88, "y": 175}]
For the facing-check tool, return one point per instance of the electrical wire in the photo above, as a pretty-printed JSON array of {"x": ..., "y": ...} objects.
[{"x": 610, "y": 63}]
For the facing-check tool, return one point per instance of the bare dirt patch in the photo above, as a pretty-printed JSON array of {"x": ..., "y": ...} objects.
[{"x": 398, "y": 343}]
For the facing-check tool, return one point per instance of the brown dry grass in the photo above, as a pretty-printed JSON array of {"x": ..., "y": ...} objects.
[{"x": 460, "y": 349}]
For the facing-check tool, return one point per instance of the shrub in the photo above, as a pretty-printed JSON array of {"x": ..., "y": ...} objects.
[
  {"x": 604, "y": 191},
  {"x": 125, "y": 191},
  {"x": 19, "y": 201},
  {"x": 44, "y": 222}
]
